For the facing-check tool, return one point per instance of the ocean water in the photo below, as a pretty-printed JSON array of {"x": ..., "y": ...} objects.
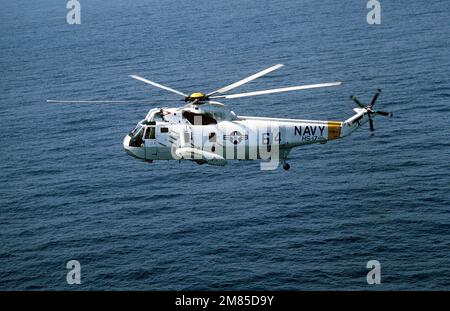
[{"x": 69, "y": 191}]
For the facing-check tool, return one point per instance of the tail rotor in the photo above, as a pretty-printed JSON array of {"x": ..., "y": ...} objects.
[{"x": 370, "y": 110}]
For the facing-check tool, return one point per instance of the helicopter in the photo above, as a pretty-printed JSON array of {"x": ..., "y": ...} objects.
[{"x": 206, "y": 131}]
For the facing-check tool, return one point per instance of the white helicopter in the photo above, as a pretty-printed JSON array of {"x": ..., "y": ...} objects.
[{"x": 207, "y": 131}]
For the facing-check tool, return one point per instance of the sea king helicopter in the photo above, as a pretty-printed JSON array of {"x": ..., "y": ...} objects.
[{"x": 206, "y": 131}]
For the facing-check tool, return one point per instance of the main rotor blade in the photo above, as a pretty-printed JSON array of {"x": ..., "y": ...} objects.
[
  {"x": 103, "y": 101},
  {"x": 158, "y": 85},
  {"x": 286, "y": 89},
  {"x": 246, "y": 80}
]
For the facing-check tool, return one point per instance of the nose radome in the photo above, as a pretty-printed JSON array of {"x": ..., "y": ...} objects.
[
  {"x": 126, "y": 145},
  {"x": 126, "y": 142}
]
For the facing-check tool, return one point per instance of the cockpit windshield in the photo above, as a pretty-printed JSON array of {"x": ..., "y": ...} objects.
[
  {"x": 136, "y": 136},
  {"x": 135, "y": 130}
]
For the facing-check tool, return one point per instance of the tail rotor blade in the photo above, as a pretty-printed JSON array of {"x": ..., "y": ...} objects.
[
  {"x": 372, "y": 129},
  {"x": 385, "y": 114},
  {"x": 374, "y": 98},
  {"x": 357, "y": 101}
]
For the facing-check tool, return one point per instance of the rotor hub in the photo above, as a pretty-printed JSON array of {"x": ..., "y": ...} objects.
[{"x": 197, "y": 97}]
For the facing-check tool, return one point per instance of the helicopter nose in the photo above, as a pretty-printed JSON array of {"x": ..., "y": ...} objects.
[
  {"x": 136, "y": 152},
  {"x": 126, "y": 142}
]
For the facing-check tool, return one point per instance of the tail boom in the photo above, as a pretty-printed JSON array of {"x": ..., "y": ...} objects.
[{"x": 354, "y": 122}]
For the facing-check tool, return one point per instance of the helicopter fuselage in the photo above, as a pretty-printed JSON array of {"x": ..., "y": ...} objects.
[{"x": 213, "y": 134}]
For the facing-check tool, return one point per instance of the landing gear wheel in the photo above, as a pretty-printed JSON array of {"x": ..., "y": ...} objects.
[{"x": 286, "y": 166}]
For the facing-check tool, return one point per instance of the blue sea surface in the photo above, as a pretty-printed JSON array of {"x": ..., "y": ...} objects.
[{"x": 68, "y": 190}]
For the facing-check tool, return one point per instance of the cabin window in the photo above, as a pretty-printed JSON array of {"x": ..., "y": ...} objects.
[
  {"x": 150, "y": 133},
  {"x": 212, "y": 137},
  {"x": 205, "y": 118},
  {"x": 164, "y": 130},
  {"x": 187, "y": 137}
]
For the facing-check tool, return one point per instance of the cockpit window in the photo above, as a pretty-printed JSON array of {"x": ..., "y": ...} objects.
[
  {"x": 195, "y": 118},
  {"x": 135, "y": 130},
  {"x": 150, "y": 133}
]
